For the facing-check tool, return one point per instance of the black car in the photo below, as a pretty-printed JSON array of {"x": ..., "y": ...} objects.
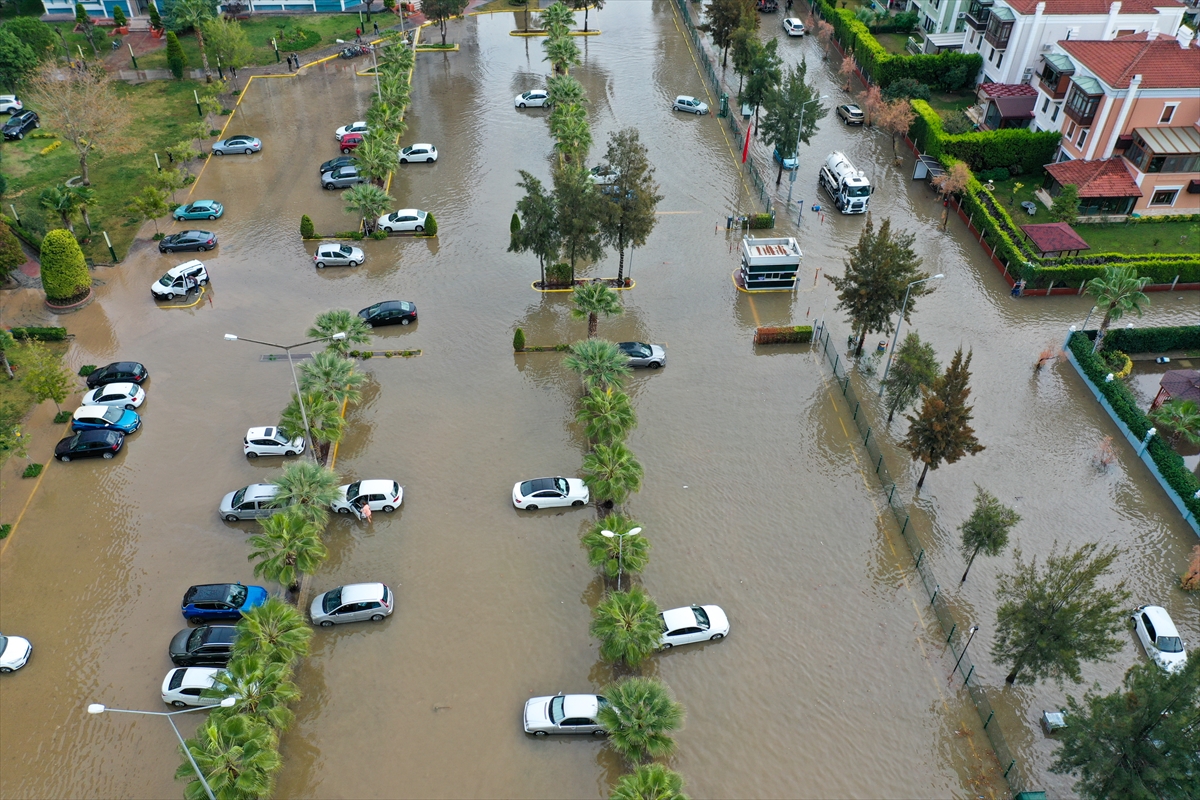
[
  {"x": 20, "y": 124},
  {"x": 389, "y": 312},
  {"x": 118, "y": 372},
  {"x": 90, "y": 444},
  {"x": 336, "y": 163},
  {"x": 206, "y": 646},
  {"x": 188, "y": 240}
]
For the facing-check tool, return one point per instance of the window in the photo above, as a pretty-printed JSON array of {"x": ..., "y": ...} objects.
[
  {"x": 1054, "y": 115},
  {"x": 999, "y": 27},
  {"x": 1045, "y": 105},
  {"x": 1164, "y": 197},
  {"x": 1071, "y": 130},
  {"x": 1168, "y": 112},
  {"x": 929, "y": 25},
  {"x": 1126, "y": 32},
  {"x": 1082, "y": 101},
  {"x": 1083, "y": 134}
]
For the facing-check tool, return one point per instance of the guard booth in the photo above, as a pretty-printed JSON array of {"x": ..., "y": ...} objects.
[{"x": 768, "y": 264}]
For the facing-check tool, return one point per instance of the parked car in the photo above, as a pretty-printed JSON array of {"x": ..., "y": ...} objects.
[
  {"x": 1159, "y": 637},
  {"x": 9, "y": 104},
  {"x": 335, "y": 163},
  {"x": 564, "y": 713},
  {"x": 237, "y": 144},
  {"x": 353, "y": 127},
  {"x": 789, "y": 162},
  {"x": 178, "y": 281},
  {"x": 188, "y": 240},
  {"x": 206, "y": 646},
  {"x": 357, "y": 602},
  {"x": 250, "y": 502},
  {"x": 342, "y": 178},
  {"x": 768, "y": 6},
  {"x": 350, "y": 141},
  {"x": 389, "y": 312},
  {"x": 200, "y": 209},
  {"x": 604, "y": 175},
  {"x": 418, "y": 152},
  {"x": 185, "y": 686},
  {"x": 270, "y": 441},
  {"x": 90, "y": 444},
  {"x": 644, "y": 355},
  {"x": 793, "y": 26},
  {"x": 550, "y": 493},
  {"x": 692, "y": 624},
  {"x": 105, "y": 418},
  {"x": 534, "y": 98},
  {"x": 851, "y": 114},
  {"x": 338, "y": 255},
  {"x": 125, "y": 395},
  {"x": 689, "y": 104},
  {"x": 214, "y": 601},
  {"x": 20, "y": 124},
  {"x": 14, "y": 653},
  {"x": 119, "y": 372},
  {"x": 380, "y": 495},
  {"x": 406, "y": 219}
]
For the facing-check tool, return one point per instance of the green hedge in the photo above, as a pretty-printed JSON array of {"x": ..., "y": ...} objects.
[
  {"x": 791, "y": 334},
  {"x": 1153, "y": 340},
  {"x": 40, "y": 334},
  {"x": 1169, "y": 463},
  {"x": 1017, "y": 149}
]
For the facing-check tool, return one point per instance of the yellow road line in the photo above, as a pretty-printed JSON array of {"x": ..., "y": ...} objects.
[
  {"x": 220, "y": 136},
  {"x": 13, "y": 533}
]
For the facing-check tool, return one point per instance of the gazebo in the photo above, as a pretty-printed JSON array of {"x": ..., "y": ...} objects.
[
  {"x": 1054, "y": 239},
  {"x": 1178, "y": 384}
]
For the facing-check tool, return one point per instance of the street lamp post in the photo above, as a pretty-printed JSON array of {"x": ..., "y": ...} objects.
[
  {"x": 620, "y": 537},
  {"x": 229, "y": 337},
  {"x": 228, "y": 702},
  {"x": 964, "y": 652},
  {"x": 799, "y": 133},
  {"x": 900, "y": 322}
]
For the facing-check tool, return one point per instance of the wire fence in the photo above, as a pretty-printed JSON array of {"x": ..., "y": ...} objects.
[{"x": 956, "y": 636}]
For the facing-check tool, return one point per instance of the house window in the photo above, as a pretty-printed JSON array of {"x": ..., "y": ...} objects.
[
  {"x": 1045, "y": 105},
  {"x": 929, "y": 24},
  {"x": 1083, "y": 134},
  {"x": 1071, "y": 128},
  {"x": 1126, "y": 32},
  {"x": 1054, "y": 115},
  {"x": 1168, "y": 112},
  {"x": 1164, "y": 197},
  {"x": 999, "y": 28},
  {"x": 999, "y": 58},
  {"x": 1081, "y": 103}
]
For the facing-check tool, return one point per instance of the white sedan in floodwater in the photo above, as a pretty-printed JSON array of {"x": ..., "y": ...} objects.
[
  {"x": 692, "y": 624},
  {"x": 564, "y": 713},
  {"x": 550, "y": 493}
]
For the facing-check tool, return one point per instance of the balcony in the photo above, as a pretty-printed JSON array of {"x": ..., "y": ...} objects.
[
  {"x": 999, "y": 27},
  {"x": 979, "y": 13},
  {"x": 1084, "y": 99},
  {"x": 1055, "y": 76}
]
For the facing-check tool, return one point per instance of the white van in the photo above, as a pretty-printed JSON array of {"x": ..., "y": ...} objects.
[{"x": 180, "y": 280}]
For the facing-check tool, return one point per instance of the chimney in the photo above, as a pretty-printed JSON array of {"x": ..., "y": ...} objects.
[{"x": 1184, "y": 36}]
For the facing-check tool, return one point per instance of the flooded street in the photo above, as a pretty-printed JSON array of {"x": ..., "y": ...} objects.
[{"x": 834, "y": 680}]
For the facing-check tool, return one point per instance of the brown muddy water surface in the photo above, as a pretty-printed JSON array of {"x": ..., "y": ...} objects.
[{"x": 834, "y": 682}]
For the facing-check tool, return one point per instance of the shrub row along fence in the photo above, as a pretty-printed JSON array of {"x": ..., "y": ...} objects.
[
  {"x": 1012, "y": 771},
  {"x": 1116, "y": 398}
]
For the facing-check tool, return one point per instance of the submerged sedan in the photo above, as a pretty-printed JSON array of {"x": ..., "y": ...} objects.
[
  {"x": 108, "y": 418},
  {"x": 200, "y": 209},
  {"x": 644, "y": 355},
  {"x": 237, "y": 144},
  {"x": 692, "y": 624},
  {"x": 564, "y": 713},
  {"x": 188, "y": 240},
  {"x": 90, "y": 444},
  {"x": 550, "y": 493}
]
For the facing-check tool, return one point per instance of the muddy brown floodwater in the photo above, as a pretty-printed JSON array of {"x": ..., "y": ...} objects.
[{"x": 834, "y": 680}]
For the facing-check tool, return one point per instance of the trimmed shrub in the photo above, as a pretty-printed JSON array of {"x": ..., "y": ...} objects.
[
  {"x": 11, "y": 254},
  {"x": 307, "y": 231},
  {"x": 558, "y": 276},
  {"x": 86, "y": 369},
  {"x": 519, "y": 340},
  {"x": 119, "y": 17},
  {"x": 763, "y": 220},
  {"x": 954, "y": 122},
  {"x": 906, "y": 87},
  {"x": 40, "y": 334},
  {"x": 1154, "y": 340},
  {"x": 5, "y": 530},
  {"x": 430, "y": 225},
  {"x": 32, "y": 471},
  {"x": 1018, "y": 150},
  {"x": 997, "y": 174},
  {"x": 65, "y": 276},
  {"x": 797, "y": 334},
  {"x": 176, "y": 60},
  {"x": 62, "y": 417},
  {"x": 155, "y": 19}
]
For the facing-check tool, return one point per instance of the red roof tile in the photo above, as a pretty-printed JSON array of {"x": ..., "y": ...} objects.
[
  {"x": 1054, "y": 237},
  {"x": 1091, "y": 6},
  {"x": 1107, "y": 178},
  {"x": 1007, "y": 90},
  {"x": 1161, "y": 62},
  {"x": 1182, "y": 384}
]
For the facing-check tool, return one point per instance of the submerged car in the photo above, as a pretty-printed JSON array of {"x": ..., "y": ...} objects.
[
  {"x": 105, "y": 418},
  {"x": 188, "y": 240},
  {"x": 379, "y": 495},
  {"x": 118, "y": 372},
  {"x": 389, "y": 312},
  {"x": 179, "y": 281},
  {"x": 353, "y": 127},
  {"x": 692, "y": 624},
  {"x": 419, "y": 152},
  {"x": 200, "y": 209},
  {"x": 564, "y": 713},
  {"x": 185, "y": 686},
  {"x": 213, "y": 601},
  {"x": 206, "y": 646},
  {"x": 793, "y": 27},
  {"x": 788, "y": 162},
  {"x": 550, "y": 493},
  {"x": 14, "y": 653},
  {"x": 851, "y": 114},
  {"x": 690, "y": 104},
  {"x": 271, "y": 441},
  {"x": 237, "y": 144},
  {"x": 1159, "y": 637},
  {"x": 90, "y": 444},
  {"x": 357, "y": 602},
  {"x": 255, "y": 501},
  {"x": 406, "y": 219},
  {"x": 351, "y": 141},
  {"x": 125, "y": 395},
  {"x": 534, "y": 98},
  {"x": 338, "y": 255},
  {"x": 342, "y": 178},
  {"x": 335, "y": 163},
  {"x": 644, "y": 355}
]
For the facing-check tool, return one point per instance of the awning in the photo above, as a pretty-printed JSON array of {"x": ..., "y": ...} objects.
[
  {"x": 945, "y": 40},
  {"x": 1088, "y": 85},
  {"x": 1061, "y": 62},
  {"x": 1170, "y": 141},
  {"x": 1015, "y": 107},
  {"x": 1003, "y": 13},
  {"x": 1054, "y": 237}
]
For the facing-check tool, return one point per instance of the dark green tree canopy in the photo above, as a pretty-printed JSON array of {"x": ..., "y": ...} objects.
[
  {"x": 577, "y": 210},
  {"x": 35, "y": 33},
  {"x": 628, "y": 205},
  {"x": 942, "y": 431},
  {"x": 17, "y": 59},
  {"x": 793, "y": 109},
  {"x": 536, "y": 230},
  {"x": 986, "y": 530},
  {"x": 723, "y": 17},
  {"x": 914, "y": 364}
]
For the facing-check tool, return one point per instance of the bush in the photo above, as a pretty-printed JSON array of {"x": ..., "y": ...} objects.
[
  {"x": 558, "y": 276},
  {"x": 997, "y": 174},
  {"x": 1154, "y": 340},
  {"x": 119, "y": 17},
  {"x": 786, "y": 335},
  {"x": 65, "y": 276},
  {"x": 11, "y": 254},
  {"x": 40, "y": 334},
  {"x": 906, "y": 87},
  {"x": 176, "y": 60},
  {"x": 1016, "y": 149},
  {"x": 32, "y": 471},
  {"x": 5, "y": 530},
  {"x": 430, "y": 226},
  {"x": 50, "y": 148},
  {"x": 763, "y": 220},
  {"x": 519, "y": 340},
  {"x": 62, "y": 417},
  {"x": 957, "y": 122},
  {"x": 307, "y": 231},
  {"x": 377, "y": 235},
  {"x": 86, "y": 369}
]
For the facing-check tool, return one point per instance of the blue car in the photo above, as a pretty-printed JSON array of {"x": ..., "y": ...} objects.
[
  {"x": 215, "y": 601},
  {"x": 791, "y": 162},
  {"x": 105, "y": 418},
  {"x": 200, "y": 209}
]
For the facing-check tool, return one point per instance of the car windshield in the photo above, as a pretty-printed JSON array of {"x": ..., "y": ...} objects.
[
  {"x": 859, "y": 191},
  {"x": 332, "y": 600},
  {"x": 345, "y": 250},
  {"x": 237, "y": 596},
  {"x": 1170, "y": 644},
  {"x": 561, "y": 485},
  {"x": 3, "y": 643},
  {"x": 352, "y": 490},
  {"x": 239, "y": 496},
  {"x": 113, "y": 414},
  {"x": 166, "y": 280},
  {"x": 556, "y": 709},
  {"x": 701, "y": 617},
  {"x": 194, "y": 640}
]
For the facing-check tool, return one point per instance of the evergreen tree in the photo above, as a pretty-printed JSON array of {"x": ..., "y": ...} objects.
[
  {"x": 722, "y": 18},
  {"x": 1065, "y": 207},
  {"x": 987, "y": 528},
  {"x": 17, "y": 59},
  {"x": 764, "y": 76},
  {"x": 65, "y": 274},
  {"x": 793, "y": 109},
  {"x": 155, "y": 18},
  {"x": 914, "y": 364},
  {"x": 577, "y": 212},
  {"x": 176, "y": 60},
  {"x": 84, "y": 23},
  {"x": 33, "y": 32},
  {"x": 537, "y": 229},
  {"x": 119, "y": 17},
  {"x": 628, "y": 205},
  {"x": 941, "y": 432}
]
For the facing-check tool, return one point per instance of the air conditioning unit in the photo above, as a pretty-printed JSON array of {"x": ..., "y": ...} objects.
[
  {"x": 1046, "y": 48},
  {"x": 962, "y": 15},
  {"x": 1027, "y": 76}
]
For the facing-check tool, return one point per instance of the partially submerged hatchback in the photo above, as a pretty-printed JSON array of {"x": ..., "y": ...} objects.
[
  {"x": 271, "y": 441},
  {"x": 186, "y": 686},
  {"x": 1159, "y": 637},
  {"x": 215, "y": 601},
  {"x": 206, "y": 646},
  {"x": 112, "y": 418},
  {"x": 356, "y": 602},
  {"x": 379, "y": 495},
  {"x": 255, "y": 501}
]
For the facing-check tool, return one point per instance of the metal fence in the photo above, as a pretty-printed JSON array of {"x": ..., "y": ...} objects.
[{"x": 1013, "y": 772}]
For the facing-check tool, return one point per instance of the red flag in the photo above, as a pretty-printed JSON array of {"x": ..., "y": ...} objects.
[{"x": 746, "y": 147}]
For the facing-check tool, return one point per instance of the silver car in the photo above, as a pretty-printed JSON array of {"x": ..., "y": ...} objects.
[
  {"x": 690, "y": 104},
  {"x": 338, "y": 255},
  {"x": 237, "y": 144},
  {"x": 564, "y": 713},
  {"x": 356, "y": 602},
  {"x": 644, "y": 355},
  {"x": 249, "y": 502},
  {"x": 342, "y": 178}
]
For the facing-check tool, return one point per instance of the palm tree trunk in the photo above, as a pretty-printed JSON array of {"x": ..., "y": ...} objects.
[
  {"x": 621, "y": 266},
  {"x": 203, "y": 54},
  {"x": 593, "y": 325},
  {"x": 88, "y": 222},
  {"x": 1100, "y": 334},
  {"x": 83, "y": 169},
  {"x": 67, "y": 221},
  {"x": 969, "y": 563},
  {"x": 924, "y": 472}
]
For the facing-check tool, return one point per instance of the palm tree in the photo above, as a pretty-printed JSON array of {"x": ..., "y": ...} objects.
[
  {"x": 1119, "y": 290},
  {"x": 562, "y": 53},
  {"x": 639, "y": 717},
  {"x": 237, "y": 755},
  {"x": 386, "y": 119},
  {"x": 340, "y": 320},
  {"x": 193, "y": 14},
  {"x": 1181, "y": 417},
  {"x": 85, "y": 197},
  {"x": 611, "y": 473},
  {"x": 611, "y": 554},
  {"x": 599, "y": 362},
  {"x": 262, "y": 689},
  {"x": 628, "y": 627},
  {"x": 326, "y": 425},
  {"x": 308, "y": 486},
  {"x": 289, "y": 546},
  {"x": 275, "y": 630},
  {"x": 332, "y": 375},
  {"x": 394, "y": 88},
  {"x": 376, "y": 158},
  {"x": 572, "y": 133},
  {"x": 592, "y": 300},
  {"x": 62, "y": 201},
  {"x": 557, "y": 20},
  {"x": 565, "y": 90},
  {"x": 367, "y": 201},
  {"x": 396, "y": 60},
  {"x": 607, "y": 415},
  {"x": 649, "y": 782}
]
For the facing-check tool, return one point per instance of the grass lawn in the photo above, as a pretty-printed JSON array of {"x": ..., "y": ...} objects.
[
  {"x": 893, "y": 42},
  {"x": 947, "y": 101},
  {"x": 161, "y": 110},
  {"x": 505, "y": 5}
]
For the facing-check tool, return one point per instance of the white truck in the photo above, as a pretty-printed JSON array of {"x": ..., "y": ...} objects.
[
  {"x": 849, "y": 187},
  {"x": 769, "y": 264}
]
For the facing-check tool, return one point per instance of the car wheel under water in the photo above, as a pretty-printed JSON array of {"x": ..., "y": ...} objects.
[
  {"x": 129, "y": 406},
  {"x": 230, "y": 518},
  {"x": 218, "y": 152},
  {"x": 289, "y": 452},
  {"x": 108, "y": 455},
  {"x": 388, "y": 509},
  {"x": 65, "y": 458},
  {"x": 655, "y": 365},
  {"x": 6, "y": 670},
  {"x": 531, "y": 508},
  {"x": 537, "y": 733},
  {"x": 179, "y": 704},
  {"x": 320, "y": 265},
  {"x": 251, "y": 455},
  {"x": 577, "y": 503},
  {"x": 717, "y": 636},
  {"x": 419, "y": 228},
  {"x": 522, "y": 105},
  {"x": 325, "y": 623},
  {"x": 377, "y": 618},
  {"x": 352, "y": 264},
  {"x": 598, "y": 733},
  {"x": 203, "y": 248},
  {"x": 248, "y": 151},
  {"x": 343, "y": 511},
  {"x": 212, "y": 216},
  {"x": 406, "y": 321}
]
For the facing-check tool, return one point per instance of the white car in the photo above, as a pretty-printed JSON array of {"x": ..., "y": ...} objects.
[
  {"x": 380, "y": 495},
  {"x": 271, "y": 442},
  {"x": 338, "y": 255},
  {"x": 692, "y": 624},
  {"x": 183, "y": 686},
  {"x": 550, "y": 493},
  {"x": 14, "y": 652},
  {"x": 406, "y": 219},
  {"x": 564, "y": 713},
  {"x": 9, "y": 104},
  {"x": 604, "y": 175},
  {"x": 353, "y": 127},
  {"x": 686, "y": 103},
  {"x": 1159, "y": 637},
  {"x": 125, "y": 395},
  {"x": 793, "y": 26},
  {"x": 418, "y": 152},
  {"x": 534, "y": 98},
  {"x": 178, "y": 281}
]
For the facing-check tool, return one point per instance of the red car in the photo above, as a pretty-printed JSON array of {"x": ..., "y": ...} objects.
[{"x": 350, "y": 141}]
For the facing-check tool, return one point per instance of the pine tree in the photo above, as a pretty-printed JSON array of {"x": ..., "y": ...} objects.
[
  {"x": 941, "y": 432},
  {"x": 176, "y": 60},
  {"x": 914, "y": 364},
  {"x": 987, "y": 528}
]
